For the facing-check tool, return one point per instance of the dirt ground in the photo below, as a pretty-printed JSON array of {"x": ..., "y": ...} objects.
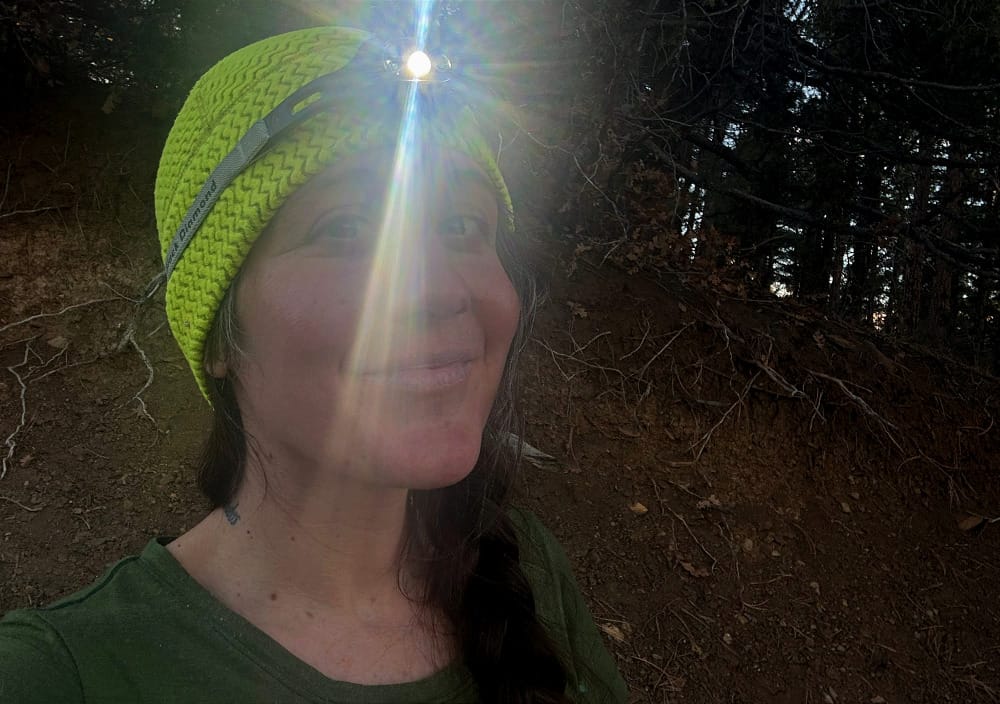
[{"x": 761, "y": 505}]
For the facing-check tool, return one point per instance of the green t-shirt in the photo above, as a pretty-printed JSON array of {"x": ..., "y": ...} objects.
[{"x": 147, "y": 633}]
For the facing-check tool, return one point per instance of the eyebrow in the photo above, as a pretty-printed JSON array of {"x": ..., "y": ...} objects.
[
  {"x": 358, "y": 174},
  {"x": 363, "y": 175}
]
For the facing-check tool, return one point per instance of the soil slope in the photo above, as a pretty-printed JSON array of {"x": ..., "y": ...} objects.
[{"x": 762, "y": 505}]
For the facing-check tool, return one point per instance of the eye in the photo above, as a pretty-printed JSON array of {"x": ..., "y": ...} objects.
[
  {"x": 342, "y": 226},
  {"x": 465, "y": 229}
]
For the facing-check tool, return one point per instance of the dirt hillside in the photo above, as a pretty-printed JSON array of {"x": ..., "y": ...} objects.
[{"x": 762, "y": 505}]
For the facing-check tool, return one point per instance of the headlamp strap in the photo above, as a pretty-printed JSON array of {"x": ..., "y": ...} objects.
[
  {"x": 252, "y": 144},
  {"x": 369, "y": 63},
  {"x": 246, "y": 150}
]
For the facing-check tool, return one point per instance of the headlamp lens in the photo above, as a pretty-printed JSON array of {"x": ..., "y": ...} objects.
[{"x": 418, "y": 65}]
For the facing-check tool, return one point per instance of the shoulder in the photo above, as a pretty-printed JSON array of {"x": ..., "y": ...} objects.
[
  {"x": 539, "y": 547},
  {"x": 35, "y": 664},
  {"x": 561, "y": 607},
  {"x": 41, "y": 648},
  {"x": 124, "y": 587},
  {"x": 546, "y": 567}
]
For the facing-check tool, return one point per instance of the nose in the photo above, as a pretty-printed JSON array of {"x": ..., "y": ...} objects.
[{"x": 434, "y": 283}]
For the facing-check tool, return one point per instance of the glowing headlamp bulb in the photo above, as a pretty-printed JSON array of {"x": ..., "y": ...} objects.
[{"x": 418, "y": 65}]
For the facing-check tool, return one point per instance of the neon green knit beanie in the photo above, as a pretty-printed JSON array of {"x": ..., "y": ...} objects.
[{"x": 233, "y": 95}]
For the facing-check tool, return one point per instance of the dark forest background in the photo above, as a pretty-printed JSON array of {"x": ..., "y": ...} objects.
[{"x": 844, "y": 154}]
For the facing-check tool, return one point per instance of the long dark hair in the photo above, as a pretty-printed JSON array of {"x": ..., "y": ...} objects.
[{"x": 461, "y": 534}]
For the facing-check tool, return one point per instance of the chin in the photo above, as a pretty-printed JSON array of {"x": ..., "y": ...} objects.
[{"x": 434, "y": 460}]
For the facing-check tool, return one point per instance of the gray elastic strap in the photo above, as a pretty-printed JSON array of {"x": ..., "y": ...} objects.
[
  {"x": 246, "y": 150},
  {"x": 288, "y": 113}
]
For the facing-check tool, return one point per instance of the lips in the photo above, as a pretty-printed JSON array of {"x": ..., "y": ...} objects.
[{"x": 427, "y": 372}]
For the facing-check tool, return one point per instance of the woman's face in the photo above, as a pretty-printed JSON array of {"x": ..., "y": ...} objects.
[{"x": 375, "y": 322}]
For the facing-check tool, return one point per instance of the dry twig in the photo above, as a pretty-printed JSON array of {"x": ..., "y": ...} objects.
[
  {"x": 703, "y": 442},
  {"x": 32, "y": 211},
  {"x": 129, "y": 339},
  {"x": 32, "y": 509},
  {"x": 9, "y": 441},
  {"x": 863, "y": 405},
  {"x": 17, "y": 323}
]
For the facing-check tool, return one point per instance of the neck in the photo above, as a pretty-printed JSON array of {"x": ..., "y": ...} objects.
[{"x": 316, "y": 543}]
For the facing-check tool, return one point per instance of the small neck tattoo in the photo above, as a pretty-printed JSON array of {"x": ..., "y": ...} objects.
[{"x": 231, "y": 514}]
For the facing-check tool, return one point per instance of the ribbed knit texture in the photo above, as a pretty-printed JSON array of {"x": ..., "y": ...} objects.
[{"x": 235, "y": 93}]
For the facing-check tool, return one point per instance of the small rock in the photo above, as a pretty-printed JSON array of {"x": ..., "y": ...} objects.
[
  {"x": 775, "y": 553},
  {"x": 748, "y": 545},
  {"x": 727, "y": 638},
  {"x": 57, "y": 342},
  {"x": 845, "y": 507},
  {"x": 638, "y": 509},
  {"x": 877, "y": 700},
  {"x": 814, "y": 586}
]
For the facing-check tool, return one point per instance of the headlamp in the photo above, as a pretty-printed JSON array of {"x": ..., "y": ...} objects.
[
  {"x": 418, "y": 65},
  {"x": 377, "y": 70}
]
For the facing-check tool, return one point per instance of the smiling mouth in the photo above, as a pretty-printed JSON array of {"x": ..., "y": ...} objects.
[{"x": 432, "y": 375}]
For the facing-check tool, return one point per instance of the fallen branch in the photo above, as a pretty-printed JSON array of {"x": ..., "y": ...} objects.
[
  {"x": 34, "y": 509},
  {"x": 663, "y": 349},
  {"x": 9, "y": 441},
  {"x": 64, "y": 367},
  {"x": 778, "y": 379},
  {"x": 143, "y": 412},
  {"x": 39, "y": 316},
  {"x": 863, "y": 405},
  {"x": 29, "y": 377},
  {"x": 703, "y": 442},
  {"x": 694, "y": 537},
  {"x": 32, "y": 211}
]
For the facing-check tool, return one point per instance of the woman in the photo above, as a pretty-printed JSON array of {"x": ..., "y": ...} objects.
[{"x": 342, "y": 278}]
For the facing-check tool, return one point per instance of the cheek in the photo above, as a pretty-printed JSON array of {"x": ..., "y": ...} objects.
[
  {"x": 302, "y": 313},
  {"x": 501, "y": 309}
]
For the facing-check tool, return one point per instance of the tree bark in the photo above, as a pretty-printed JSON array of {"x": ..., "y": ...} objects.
[{"x": 862, "y": 283}]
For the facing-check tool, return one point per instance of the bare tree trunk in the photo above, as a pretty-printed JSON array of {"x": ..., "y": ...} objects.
[
  {"x": 911, "y": 287},
  {"x": 837, "y": 271},
  {"x": 911, "y": 305},
  {"x": 862, "y": 283},
  {"x": 814, "y": 260},
  {"x": 696, "y": 204},
  {"x": 942, "y": 301},
  {"x": 939, "y": 299},
  {"x": 717, "y": 215}
]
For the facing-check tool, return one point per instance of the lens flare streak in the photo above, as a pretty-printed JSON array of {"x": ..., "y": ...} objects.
[{"x": 397, "y": 272}]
